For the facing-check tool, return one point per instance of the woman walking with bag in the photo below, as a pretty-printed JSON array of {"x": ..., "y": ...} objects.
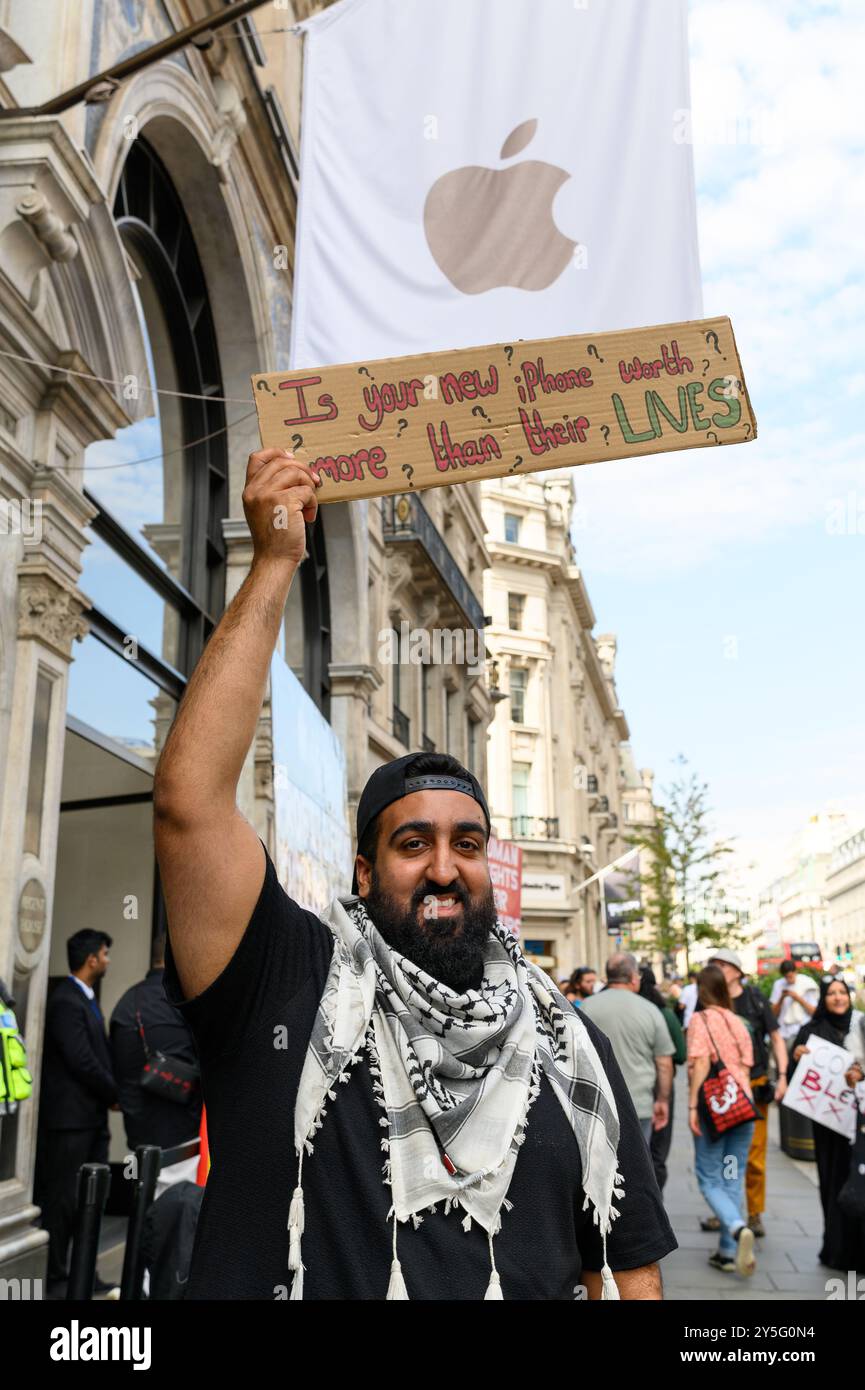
[{"x": 721, "y": 1115}]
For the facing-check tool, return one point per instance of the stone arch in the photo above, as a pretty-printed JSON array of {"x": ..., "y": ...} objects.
[
  {"x": 194, "y": 140},
  {"x": 167, "y": 107}
]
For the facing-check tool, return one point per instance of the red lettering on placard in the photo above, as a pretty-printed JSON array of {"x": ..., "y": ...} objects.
[
  {"x": 537, "y": 376},
  {"x": 669, "y": 362},
  {"x": 388, "y": 398},
  {"x": 468, "y": 386},
  {"x": 811, "y": 1080},
  {"x": 348, "y": 468},
  {"x": 453, "y": 454},
  {"x": 541, "y": 437},
  {"x": 326, "y": 400}
]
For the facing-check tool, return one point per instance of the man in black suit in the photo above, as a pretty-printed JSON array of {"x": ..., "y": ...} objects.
[
  {"x": 77, "y": 1088},
  {"x": 150, "y": 1119}
]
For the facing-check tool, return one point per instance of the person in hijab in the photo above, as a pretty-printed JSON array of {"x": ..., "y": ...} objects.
[{"x": 843, "y": 1244}]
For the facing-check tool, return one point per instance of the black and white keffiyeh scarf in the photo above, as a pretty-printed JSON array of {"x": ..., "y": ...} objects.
[{"x": 455, "y": 1075}]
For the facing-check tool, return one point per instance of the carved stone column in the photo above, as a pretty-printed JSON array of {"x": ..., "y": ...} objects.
[{"x": 50, "y": 616}]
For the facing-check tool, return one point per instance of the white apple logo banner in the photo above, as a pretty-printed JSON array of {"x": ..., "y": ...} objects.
[{"x": 484, "y": 170}]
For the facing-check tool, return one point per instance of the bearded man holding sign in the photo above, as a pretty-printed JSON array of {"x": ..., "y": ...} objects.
[{"x": 495, "y": 1114}]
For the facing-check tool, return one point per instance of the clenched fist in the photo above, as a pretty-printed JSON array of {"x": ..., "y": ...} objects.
[{"x": 278, "y": 499}]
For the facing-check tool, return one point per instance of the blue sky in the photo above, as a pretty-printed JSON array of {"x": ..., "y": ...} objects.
[{"x": 735, "y": 586}]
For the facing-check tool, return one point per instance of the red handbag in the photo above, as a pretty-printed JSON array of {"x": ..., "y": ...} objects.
[{"x": 723, "y": 1102}]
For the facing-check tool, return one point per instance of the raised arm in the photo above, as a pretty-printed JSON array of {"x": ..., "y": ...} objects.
[{"x": 211, "y": 862}]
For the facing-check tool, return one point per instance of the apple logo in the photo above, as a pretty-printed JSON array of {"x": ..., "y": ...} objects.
[{"x": 492, "y": 227}]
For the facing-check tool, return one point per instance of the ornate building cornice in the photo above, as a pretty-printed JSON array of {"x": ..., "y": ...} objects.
[{"x": 50, "y": 613}]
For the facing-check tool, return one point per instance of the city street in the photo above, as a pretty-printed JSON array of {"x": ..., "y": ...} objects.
[{"x": 787, "y": 1265}]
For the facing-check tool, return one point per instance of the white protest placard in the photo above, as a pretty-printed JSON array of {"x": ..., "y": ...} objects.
[{"x": 818, "y": 1088}]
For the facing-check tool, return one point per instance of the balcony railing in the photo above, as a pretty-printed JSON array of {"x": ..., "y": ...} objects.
[
  {"x": 534, "y": 827},
  {"x": 400, "y": 726},
  {"x": 405, "y": 520}
]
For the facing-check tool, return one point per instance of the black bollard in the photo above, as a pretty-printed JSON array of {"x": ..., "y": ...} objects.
[
  {"x": 148, "y": 1161},
  {"x": 94, "y": 1180}
]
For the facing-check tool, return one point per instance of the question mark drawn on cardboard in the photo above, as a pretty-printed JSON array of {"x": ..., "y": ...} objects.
[
  {"x": 408, "y": 470},
  {"x": 509, "y": 352},
  {"x": 297, "y": 440},
  {"x": 516, "y": 463},
  {"x": 705, "y": 365},
  {"x": 259, "y": 385},
  {"x": 365, "y": 371},
  {"x": 712, "y": 435},
  {"x": 605, "y": 431},
  {"x": 747, "y": 429},
  {"x": 593, "y": 352},
  {"x": 712, "y": 334},
  {"x": 479, "y": 410},
  {"x": 403, "y": 425}
]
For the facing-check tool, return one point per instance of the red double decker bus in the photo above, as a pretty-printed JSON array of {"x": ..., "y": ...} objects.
[{"x": 802, "y": 952}]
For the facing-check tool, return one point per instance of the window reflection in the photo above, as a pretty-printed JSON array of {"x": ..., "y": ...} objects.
[
  {"x": 146, "y": 497},
  {"x": 110, "y": 693},
  {"x": 115, "y": 588}
]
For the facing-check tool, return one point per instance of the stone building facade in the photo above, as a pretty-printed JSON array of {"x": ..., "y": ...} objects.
[
  {"x": 562, "y": 779},
  {"x": 844, "y": 889}
]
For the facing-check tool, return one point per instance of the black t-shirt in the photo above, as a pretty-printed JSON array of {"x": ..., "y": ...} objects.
[
  {"x": 753, "y": 1007},
  {"x": 252, "y": 1027}
]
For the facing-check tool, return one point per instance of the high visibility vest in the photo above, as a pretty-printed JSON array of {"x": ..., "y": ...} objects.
[{"x": 16, "y": 1083}]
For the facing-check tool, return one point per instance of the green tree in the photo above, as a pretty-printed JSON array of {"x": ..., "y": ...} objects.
[{"x": 684, "y": 900}]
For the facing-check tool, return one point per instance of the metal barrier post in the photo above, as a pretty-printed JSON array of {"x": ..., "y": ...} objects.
[
  {"x": 148, "y": 1159},
  {"x": 94, "y": 1180}
]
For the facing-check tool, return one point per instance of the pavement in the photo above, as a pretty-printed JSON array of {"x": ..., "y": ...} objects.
[{"x": 787, "y": 1267}]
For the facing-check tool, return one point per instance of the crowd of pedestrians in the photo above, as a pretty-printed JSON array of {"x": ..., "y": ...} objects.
[
  {"x": 714, "y": 1020},
  {"x": 717, "y": 1021}
]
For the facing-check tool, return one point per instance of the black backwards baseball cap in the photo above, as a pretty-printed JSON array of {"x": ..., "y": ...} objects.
[{"x": 395, "y": 779}]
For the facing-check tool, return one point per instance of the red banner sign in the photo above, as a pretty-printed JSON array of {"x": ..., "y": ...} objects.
[{"x": 506, "y": 872}]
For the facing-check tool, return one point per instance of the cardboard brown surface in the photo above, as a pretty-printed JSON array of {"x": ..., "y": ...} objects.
[{"x": 408, "y": 423}]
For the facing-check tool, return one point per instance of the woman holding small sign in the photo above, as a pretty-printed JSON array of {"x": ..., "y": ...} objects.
[{"x": 843, "y": 1245}]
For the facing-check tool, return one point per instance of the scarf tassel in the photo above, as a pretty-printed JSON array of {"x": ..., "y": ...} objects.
[
  {"x": 396, "y": 1289},
  {"x": 295, "y": 1229},
  {"x": 609, "y": 1287},
  {"x": 494, "y": 1288}
]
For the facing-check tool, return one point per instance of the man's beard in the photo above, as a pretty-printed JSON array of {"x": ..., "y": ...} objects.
[{"x": 453, "y": 957}]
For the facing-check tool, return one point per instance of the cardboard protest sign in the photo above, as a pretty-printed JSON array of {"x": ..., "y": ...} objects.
[
  {"x": 408, "y": 423},
  {"x": 818, "y": 1088},
  {"x": 506, "y": 875}
]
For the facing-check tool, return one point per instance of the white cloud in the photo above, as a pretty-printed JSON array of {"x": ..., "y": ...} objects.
[
  {"x": 780, "y": 231},
  {"x": 684, "y": 508}
]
